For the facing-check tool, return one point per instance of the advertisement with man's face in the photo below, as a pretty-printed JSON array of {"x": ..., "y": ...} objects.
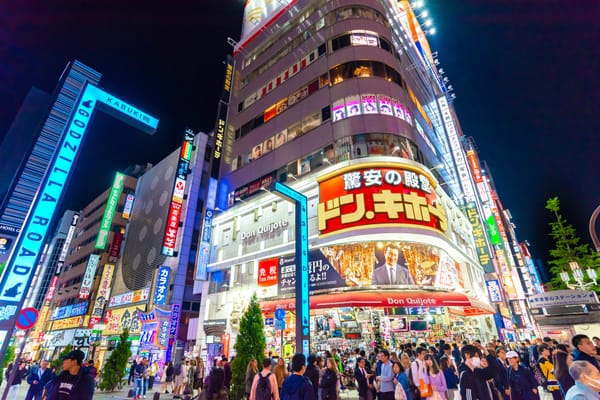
[{"x": 371, "y": 264}]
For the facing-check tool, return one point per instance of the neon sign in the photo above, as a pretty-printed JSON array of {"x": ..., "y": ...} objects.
[{"x": 109, "y": 211}]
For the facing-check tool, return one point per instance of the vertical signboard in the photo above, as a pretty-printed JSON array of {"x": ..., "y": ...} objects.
[
  {"x": 109, "y": 211},
  {"x": 128, "y": 206},
  {"x": 88, "y": 276},
  {"x": 481, "y": 245},
  {"x": 162, "y": 285},
  {"x": 25, "y": 257},
  {"x": 173, "y": 329},
  {"x": 457, "y": 151},
  {"x": 102, "y": 295},
  {"x": 183, "y": 165}
]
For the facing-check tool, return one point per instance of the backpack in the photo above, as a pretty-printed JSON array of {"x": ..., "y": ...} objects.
[
  {"x": 263, "y": 388},
  {"x": 177, "y": 370}
]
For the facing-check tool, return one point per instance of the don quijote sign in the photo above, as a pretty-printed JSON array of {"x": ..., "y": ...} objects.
[{"x": 265, "y": 229}]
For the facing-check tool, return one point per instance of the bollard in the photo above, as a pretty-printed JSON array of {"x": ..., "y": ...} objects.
[
  {"x": 156, "y": 396},
  {"x": 131, "y": 393}
]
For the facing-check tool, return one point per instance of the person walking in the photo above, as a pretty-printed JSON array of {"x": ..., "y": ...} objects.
[
  {"x": 386, "y": 377},
  {"x": 17, "y": 379},
  {"x": 401, "y": 378},
  {"x": 451, "y": 375},
  {"x": 138, "y": 379},
  {"x": 131, "y": 372},
  {"x": 547, "y": 370},
  {"x": 215, "y": 387},
  {"x": 329, "y": 381},
  {"x": 364, "y": 379},
  {"x": 199, "y": 375},
  {"x": 264, "y": 384},
  {"x": 472, "y": 375},
  {"x": 280, "y": 372},
  {"x": 74, "y": 382},
  {"x": 251, "y": 371},
  {"x": 437, "y": 379},
  {"x": 152, "y": 371},
  {"x": 521, "y": 381},
  {"x": 562, "y": 361},
  {"x": 38, "y": 378},
  {"x": 312, "y": 373},
  {"x": 297, "y": 386},
  {"x": 179, "y": 377},
  {"x": 168, "y": 374}
]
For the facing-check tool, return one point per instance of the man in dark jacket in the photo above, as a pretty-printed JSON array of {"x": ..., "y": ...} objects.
[
  {"x": 74, "y": 383},
  {"x": 586, "y": 351},
  {"x": 38, "y": 378},
  {"x": 312, "y": 373},
  {"x": 473, "y": 377},
  {"x": 297, "y": 386},
  {"x": 362, "y": 374}
]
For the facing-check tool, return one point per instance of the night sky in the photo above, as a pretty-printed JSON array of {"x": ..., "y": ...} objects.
[{"x": 526, "y": 74}]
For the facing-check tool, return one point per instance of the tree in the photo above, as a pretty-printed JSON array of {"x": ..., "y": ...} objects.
[
  {"x": 250, "y": 343},
  {"x": 57, "y": 362},
  {"x": 568, "y": 247},
  {"x": 114, "y": 368}
]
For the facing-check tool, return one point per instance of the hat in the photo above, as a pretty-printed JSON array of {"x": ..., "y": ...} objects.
[
  {"x": 76, "y": 355},
  {"x": 512, "y": 354}
]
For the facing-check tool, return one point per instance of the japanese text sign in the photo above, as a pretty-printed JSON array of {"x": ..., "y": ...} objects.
[{"x": 162, "y": 285}]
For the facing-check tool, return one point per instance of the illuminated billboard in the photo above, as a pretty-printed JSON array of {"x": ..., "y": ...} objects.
[
  {"x": 183, "y": 165},
  {"x": 128, "y": 206},
  {"x": 259, "y": 14},
  {"x": 376, "y": 195},
  {"x": 88, "y": 276},
  {"x": 109, "y": 211},
  {"x": 363, "y": 265}
]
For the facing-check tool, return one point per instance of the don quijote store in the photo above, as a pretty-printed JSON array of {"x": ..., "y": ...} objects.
[{"x": 364, "y": 217}]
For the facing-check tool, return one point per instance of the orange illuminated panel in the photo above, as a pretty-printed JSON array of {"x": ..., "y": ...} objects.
[{"x": 375, "y": 195}]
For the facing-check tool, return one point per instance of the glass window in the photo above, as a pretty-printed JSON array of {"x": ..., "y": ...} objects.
[
  {"x": 385, "y": 44},
  {"x": 311, "y": 121},
  {"x": 325, "y": 113},
  {"x": 322, "y": 49}
]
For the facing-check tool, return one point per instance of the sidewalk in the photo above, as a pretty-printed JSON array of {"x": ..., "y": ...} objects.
[{"x": 116, "y": 395}]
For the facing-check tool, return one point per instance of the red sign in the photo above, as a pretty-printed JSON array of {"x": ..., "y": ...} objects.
[
  {"x": 27, "y": 318},
  {"x": 376, "y": 196},
  {"x": 381, "y": 299},
  {"x": 267, "y": 278},
  {"x": 51, "y": 288},
  {"x": 115, "y": 249},
  {"x": 170, "y": 237}
]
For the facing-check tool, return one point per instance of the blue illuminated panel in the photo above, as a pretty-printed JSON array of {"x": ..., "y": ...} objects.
[
  {"x": 26, "y": 253},
  {"x": 302, "y": 282}
]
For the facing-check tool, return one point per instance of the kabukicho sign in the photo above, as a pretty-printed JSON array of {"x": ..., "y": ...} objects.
[{"x": 376, "y": 195}]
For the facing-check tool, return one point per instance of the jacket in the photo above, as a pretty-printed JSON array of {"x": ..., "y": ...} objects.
[
  {"x": 362, "y": 381},
  {"x": 547, "y": 370},
  {"x": 581, "y": 356},
  {"x": 473, "y": 384},
  {"x": 329, "y": 385},
  {"x": 83, "y": 387},
  {"x": 522, "y": 382},
  {"x": 312, "y": 373},
  {"x": 581, "y": 392},
  {"x": 297, "y": 387},
  {"x": 37, "y": 388}
]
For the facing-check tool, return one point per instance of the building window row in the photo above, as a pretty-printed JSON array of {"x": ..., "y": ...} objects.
[
  {"x": 338, "y": 15},
  {"x": 336, "y": 75},
  {"x": 355, "y": 38},
  {"x": 346, "y": 148}
]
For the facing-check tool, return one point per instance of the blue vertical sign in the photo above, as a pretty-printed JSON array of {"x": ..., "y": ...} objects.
[
  {"x": 302, "y": 278},
  {"x": 162, "y": 285},
  {"x": 26, "y": 253}
]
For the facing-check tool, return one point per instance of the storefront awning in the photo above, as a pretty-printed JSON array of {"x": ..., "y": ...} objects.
[{"x": 461, "y": 301}]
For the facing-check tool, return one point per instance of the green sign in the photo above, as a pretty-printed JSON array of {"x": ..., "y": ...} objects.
[
  {"x": 109, "y": 211},
  {"x": 493, "y": 230},
  {"x": 480, "y": 242}
]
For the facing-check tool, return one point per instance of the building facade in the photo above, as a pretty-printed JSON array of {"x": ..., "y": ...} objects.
[{"x": 342, "y": 102}]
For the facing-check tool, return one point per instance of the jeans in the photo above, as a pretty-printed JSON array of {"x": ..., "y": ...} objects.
[
  {"x": 139, "y": 387},
  {"x": 12, "y": 392}
]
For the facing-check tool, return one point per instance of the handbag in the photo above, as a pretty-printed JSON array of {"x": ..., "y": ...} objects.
[
  {"x": 424, "y": 388},
  {"x": 399, "y": 393}
]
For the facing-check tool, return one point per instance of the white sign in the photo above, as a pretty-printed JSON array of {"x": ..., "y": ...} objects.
[
  {"x": 88, "y": 277},
  {"x": 457, "y": 151},
  {"x": 562, "y": 298}
]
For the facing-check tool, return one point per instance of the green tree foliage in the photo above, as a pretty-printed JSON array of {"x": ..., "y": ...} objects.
[
  {"x": 58, "y": 362},
  {"x": 568, "y": 247},
  {"x": 250, "y": 343},
  {"x": 114, "y": 368}
]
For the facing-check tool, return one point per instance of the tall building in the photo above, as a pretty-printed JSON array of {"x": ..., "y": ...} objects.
[
  {"x": 32, "y": 142},
  {"x": 94, "y": 248},
  {"x": 342, "y": 101}
]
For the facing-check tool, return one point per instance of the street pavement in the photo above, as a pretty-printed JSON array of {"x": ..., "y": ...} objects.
[{"x": 122, "y": 394}]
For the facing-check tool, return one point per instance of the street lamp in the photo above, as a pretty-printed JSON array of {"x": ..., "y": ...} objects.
[{"x": 578, "y": 275}]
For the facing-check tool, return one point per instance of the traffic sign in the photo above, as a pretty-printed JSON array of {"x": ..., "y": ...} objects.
[
  {"x": 27, "y": 318},
  {"x": 280, "y": 314}
]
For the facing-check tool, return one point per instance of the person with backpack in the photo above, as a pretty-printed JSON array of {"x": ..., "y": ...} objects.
[
  {"x": 297, "y": 386},
  {"x": 549, "y": 381},
  {"x": 522, "y": 382},
  {"x": 264, "y": 386}
]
